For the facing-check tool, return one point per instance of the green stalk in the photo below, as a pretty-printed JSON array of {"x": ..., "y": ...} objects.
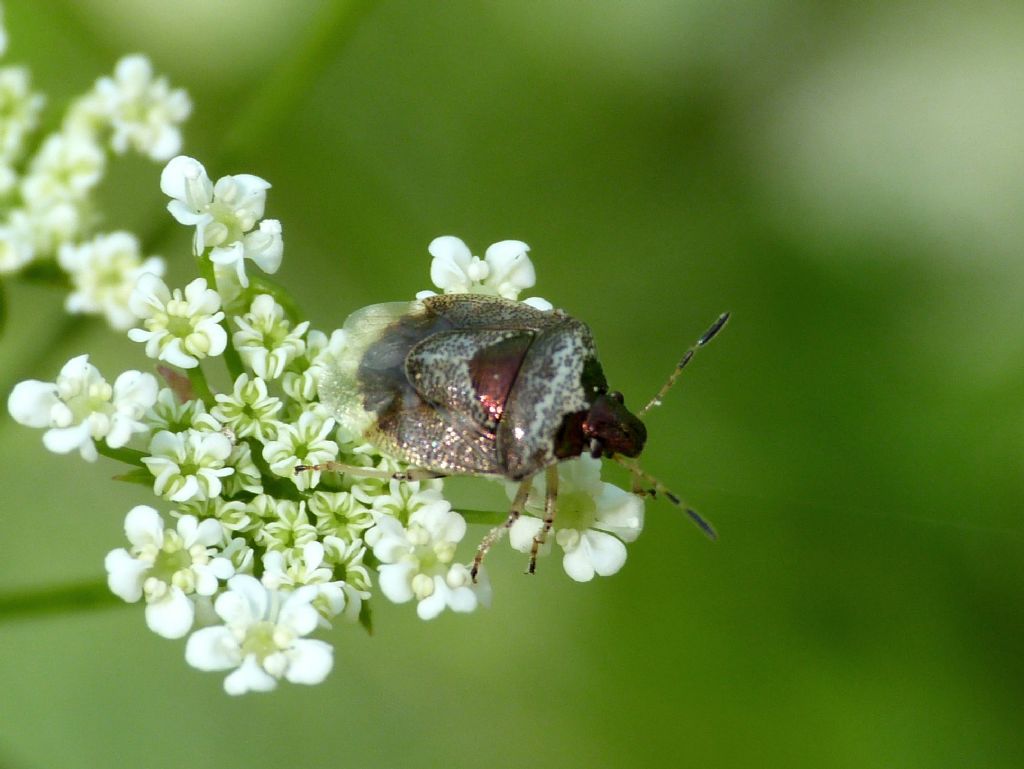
[
  {"x": 200, "y": 386},
  {"x": 126, "y": 455},
  {"x": 57, "y": 599}
]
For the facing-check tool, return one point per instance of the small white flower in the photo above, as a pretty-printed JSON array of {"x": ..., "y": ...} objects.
[
  {"x": 167, "y": 566},
  {"x": 592, "y": 520},
  {"x": 262, "y": 637},
  {"x": 504, "y": 271},
  {"x": 287, "y": 523},
  {"x": 340, "y": 514},
  {"x": 248, "y": 410},
  {"x": 144, "y": 113},
  {"x": 188, "y": 466},
  {"x": 104, "y": 272},
  {"x": 20, "y": 109},
  {"x": 263, "y": 246},
  {"x": 17, "y": 242},
  {"x": 179, "y": 329},
  {"x": 222, "y": 213},
  {"x": 265, "y": 339},
  {"x": 80, "y": 407},
  {"x": 232, "y": 515},
  {"x": 65, "y": 169},
  {"x": 296, "y": 567},
  {"x": 174, "y": 416},
  {"x": 416, "y": 561},
  {"x": 304, "y": 442}
]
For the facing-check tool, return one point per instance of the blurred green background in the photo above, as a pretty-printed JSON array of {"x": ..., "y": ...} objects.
[{"x": 847, "y": 179}]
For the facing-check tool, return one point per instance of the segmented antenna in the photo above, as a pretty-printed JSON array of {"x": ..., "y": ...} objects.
[
  {"x": 654, "y": 487},
  {"x": 707, "y": 337}
]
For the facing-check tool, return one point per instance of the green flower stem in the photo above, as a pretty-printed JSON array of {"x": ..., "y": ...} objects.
[
  {"x": 281, "y": 94},
  {"x": 128, "y": 456},
  {"x": 200, "y": 386},
  {"x": 231, "y": 356},
  {"x": 57, "y": 599}
]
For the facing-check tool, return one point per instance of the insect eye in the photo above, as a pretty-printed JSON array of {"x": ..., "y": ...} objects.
[{"x": 617, "y": 396}]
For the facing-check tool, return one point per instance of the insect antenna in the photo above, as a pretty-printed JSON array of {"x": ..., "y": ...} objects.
[
  {"x": 705, "y": 338},
  {"x": 646, "y": 484}
]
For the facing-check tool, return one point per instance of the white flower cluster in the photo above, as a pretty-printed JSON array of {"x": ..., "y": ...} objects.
[
  {"x": 251, "y": 558},
  {"x": 48, "y": 182}
]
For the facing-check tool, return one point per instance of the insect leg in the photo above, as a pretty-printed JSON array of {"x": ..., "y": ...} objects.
[
  {"x": 550, "y": 497},
  {"x": 494, "y": 534},
  {"x": 412, "y": 474}
]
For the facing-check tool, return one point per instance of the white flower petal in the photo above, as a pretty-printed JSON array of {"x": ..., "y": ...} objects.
[
  {"x": 125, "y": 574},
  {"x": 576, "y": 563},
  {"x": 522, "y": 532},
  {"x": 309, "y": 661},
  {"x": 172, "y": 615},
  {"x": 31, "y": 401},
  {"x": 396, "y": 581},
  {"x": 212, "y": 648},
  {"x": 144, "y": 526},
  {"x": 249, "y": 677},
  {"x": 607, "y": 553},
  {"x": 64, "y": 440}
]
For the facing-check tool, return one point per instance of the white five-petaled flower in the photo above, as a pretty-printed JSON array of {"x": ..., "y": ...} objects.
[
  {"x": 104, "y": 272},
  {"x": 416, "y": 561},
  {"x": 167, "y": 566},
  {"x": 289, "y": 569},
  {"x": 265, "y": 339},
  {"x": 188, "y": 466},
  {"x": 248, "y": 410},
  {"x": 65, "y": 169},
  {"x": 262, "y": 638},
  {"x": 222, "y": 213},
  {"x": 593, "y": 519},
  {"x": 304, "y": 442},
  {"x": 504, "y": 271},
  {"x": 179, "y": 328},
  {"x": 81, "y": 407},
  {"x": 144, "y": 113}
]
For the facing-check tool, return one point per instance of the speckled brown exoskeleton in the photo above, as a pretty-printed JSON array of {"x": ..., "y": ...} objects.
[{"x": 468, "y": 384}]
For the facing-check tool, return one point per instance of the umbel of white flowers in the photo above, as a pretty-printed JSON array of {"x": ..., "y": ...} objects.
[
  {"x": 48, "y": 183},
  {"x": 248, "y": 559}
]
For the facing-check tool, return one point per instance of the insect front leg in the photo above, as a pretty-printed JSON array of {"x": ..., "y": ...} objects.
[
  {"x": 412, "y": 474},
  {"x": 492, "y": 536},
  {"x": 550, "y": 500}
]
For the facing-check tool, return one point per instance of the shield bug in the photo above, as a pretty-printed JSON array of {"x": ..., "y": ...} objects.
[{"x": 469, "y": 384}]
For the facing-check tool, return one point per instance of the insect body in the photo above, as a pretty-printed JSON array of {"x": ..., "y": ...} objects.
[{"x": 467, "y": 384}]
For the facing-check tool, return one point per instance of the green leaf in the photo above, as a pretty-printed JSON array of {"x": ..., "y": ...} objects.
[
  {"x": 366, "y": 617},
  {"x": 139, "y": 475}
]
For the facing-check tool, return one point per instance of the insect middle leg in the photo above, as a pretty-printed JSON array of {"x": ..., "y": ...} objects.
[
  {"x": 518, "y": 503},
  {"x": 412, "y": 474},
  {"x": 550, "y": 499}
]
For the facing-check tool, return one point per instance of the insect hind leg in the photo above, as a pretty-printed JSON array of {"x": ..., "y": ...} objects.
[
  {"x": 412, "y": 474},
  {"x": 515, "y": 510},
  {"x": 550, "y": 499}
]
